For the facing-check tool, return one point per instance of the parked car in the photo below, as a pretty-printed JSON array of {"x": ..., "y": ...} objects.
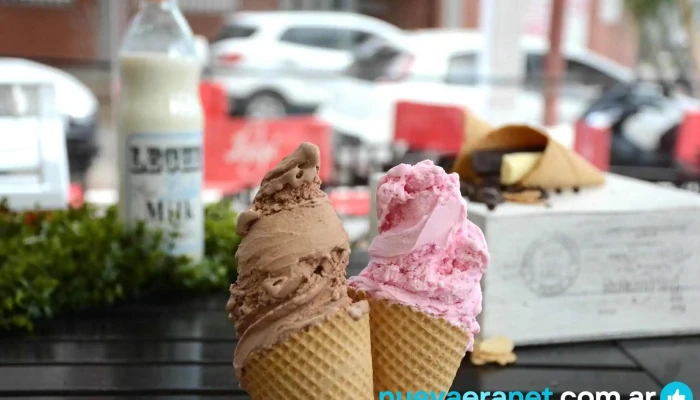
[
  {"x": 440, "y": 67},
  {"x": 75, "y": 103},
  {"x": 280, "y": 62}
]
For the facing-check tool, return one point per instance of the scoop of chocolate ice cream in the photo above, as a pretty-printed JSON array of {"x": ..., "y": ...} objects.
[{"x": 293, "y": 257}]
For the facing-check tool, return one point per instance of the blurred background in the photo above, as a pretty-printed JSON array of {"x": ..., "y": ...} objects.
[{"x": 354, "y": 65}]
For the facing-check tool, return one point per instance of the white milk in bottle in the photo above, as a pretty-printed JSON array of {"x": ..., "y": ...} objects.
[{"x": 160, "y": 124}]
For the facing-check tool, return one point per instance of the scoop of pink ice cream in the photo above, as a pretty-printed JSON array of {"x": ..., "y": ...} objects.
[{"x": 427, "y": 255}]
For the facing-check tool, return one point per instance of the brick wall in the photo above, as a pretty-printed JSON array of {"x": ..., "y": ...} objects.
[
  {"x": 258, "y": 4},
  {"x": 209, "y": 25},
  {"x": 471, "y": 11},
  {"x": 68, "y": 32},
  {"x": 410, "y": 14},
  {"x": 71, "y": 33},
  {"x": 622, "y": 49},
  {"x": 206, "y": 25},
  {"x": 624, "y": 46}
]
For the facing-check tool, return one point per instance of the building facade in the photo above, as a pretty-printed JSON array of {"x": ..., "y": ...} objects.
[{"x": 88, "y": 30}]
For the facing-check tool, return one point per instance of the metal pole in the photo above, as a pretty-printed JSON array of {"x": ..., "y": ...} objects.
[
  {"x": 502, "y": 61},
  {"x": 452, "y": 13},
  {"x": 554, "y": 64}
]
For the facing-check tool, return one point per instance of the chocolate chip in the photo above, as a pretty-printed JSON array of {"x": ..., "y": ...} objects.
[
  {"x": 493, "y": 181},
  {"x": 467, "y": 189},
  {"x": 486, "y": 162},
  {"x": 489, "y": 196},
  {"x": 577, "y": 189},
  {"x": 513, "y": 188},
  {"x": 557, "y": 190}
]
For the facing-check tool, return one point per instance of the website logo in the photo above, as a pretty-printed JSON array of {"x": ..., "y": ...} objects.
[{"x": 676, "y": 391}]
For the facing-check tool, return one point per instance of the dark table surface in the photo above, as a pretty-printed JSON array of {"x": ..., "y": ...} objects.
[{"x": 183, "y": 350}]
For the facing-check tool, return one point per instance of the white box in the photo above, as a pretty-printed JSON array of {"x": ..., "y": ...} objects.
[{"x": 618, "y": 261}]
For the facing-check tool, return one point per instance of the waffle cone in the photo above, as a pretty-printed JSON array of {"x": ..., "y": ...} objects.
[
  {"x": 330, "y": 361},
  {"x": 559, "y": 167},
  {"x": 411, "y": 350},
  {"x": 474, "y": 130}
]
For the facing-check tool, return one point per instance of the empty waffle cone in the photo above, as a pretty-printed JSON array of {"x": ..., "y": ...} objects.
[
  {"x": 559, "y": 167},
  {"x": 411, "y": 350},
  {"x": 332, "y": 360}
]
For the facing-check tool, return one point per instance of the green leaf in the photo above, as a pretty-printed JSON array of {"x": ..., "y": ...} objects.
[
  {"x": 68, "y": 260},
  {"x": 646, "y": 9}
]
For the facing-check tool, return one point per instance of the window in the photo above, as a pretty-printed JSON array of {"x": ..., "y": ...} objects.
[
  {"x": 360, "y": 38},
  {"x": 462, "y": 69},
  {"x": 325, "y": 38},
  {"x": 534, "y": 72},
  {"x": 345, "y": 5},
  {"x": 207, "y": 6},
  {"x": 315, "y": 37},
  {"x": 372, "y": 64},
  {"x": 235, "y": 32},
  {"x": 577, "y": 75},
  {"x": 338, "y": 5},
  {"x": 581, "y": 74}
]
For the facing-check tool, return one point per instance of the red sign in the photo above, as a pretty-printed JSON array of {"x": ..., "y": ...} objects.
[
  {"x": 76, "y": 195},
  {"x": 688, "y": 141},
  {"x": 354, "y": 202},
  {"x": 239, "y": 152},
  {"x": 214, "y": 99},
  {"x": 430, "y": 127},
  {"x": 593, "y": 143}
]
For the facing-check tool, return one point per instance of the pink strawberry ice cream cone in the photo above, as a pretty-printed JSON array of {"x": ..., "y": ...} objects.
[{"x": 422, "y": 281}]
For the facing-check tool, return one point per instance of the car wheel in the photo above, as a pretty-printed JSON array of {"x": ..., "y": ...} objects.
[{"x": 266, "y": 105}]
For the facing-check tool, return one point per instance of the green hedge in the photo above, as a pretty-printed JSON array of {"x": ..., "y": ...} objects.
[{"x": 76, "y": 259}]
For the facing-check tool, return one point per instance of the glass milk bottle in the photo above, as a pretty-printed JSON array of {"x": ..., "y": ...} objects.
[{"x": 160, "y": 123}]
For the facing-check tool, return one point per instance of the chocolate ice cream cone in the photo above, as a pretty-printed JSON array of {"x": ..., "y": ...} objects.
[
  {"x": 300, "y": 335},
  {"x": 328, "y": 361}
]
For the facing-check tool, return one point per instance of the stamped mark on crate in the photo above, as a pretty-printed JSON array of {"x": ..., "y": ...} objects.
[
  {"x": 642, "y": 265},
  {"x": 551, "y": 265},
  {"x": 658, "y": 250},
  {"x": 640, "y": 289}
]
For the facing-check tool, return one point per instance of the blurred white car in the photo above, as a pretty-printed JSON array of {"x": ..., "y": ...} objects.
[
  {"x": 280, "y": 62},
  {"x": 76, "y": 105},
  {"x": 33, "y": 158},
  {"x": 441, "y": 67}
]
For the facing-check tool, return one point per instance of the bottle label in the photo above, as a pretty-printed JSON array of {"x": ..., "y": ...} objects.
[{"x": 164, "y": 186}]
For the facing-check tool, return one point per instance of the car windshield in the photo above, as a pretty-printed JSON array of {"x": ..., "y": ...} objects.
[
  {"x": 374, "y": 60},
  {"x": 236, "y": 31}
]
